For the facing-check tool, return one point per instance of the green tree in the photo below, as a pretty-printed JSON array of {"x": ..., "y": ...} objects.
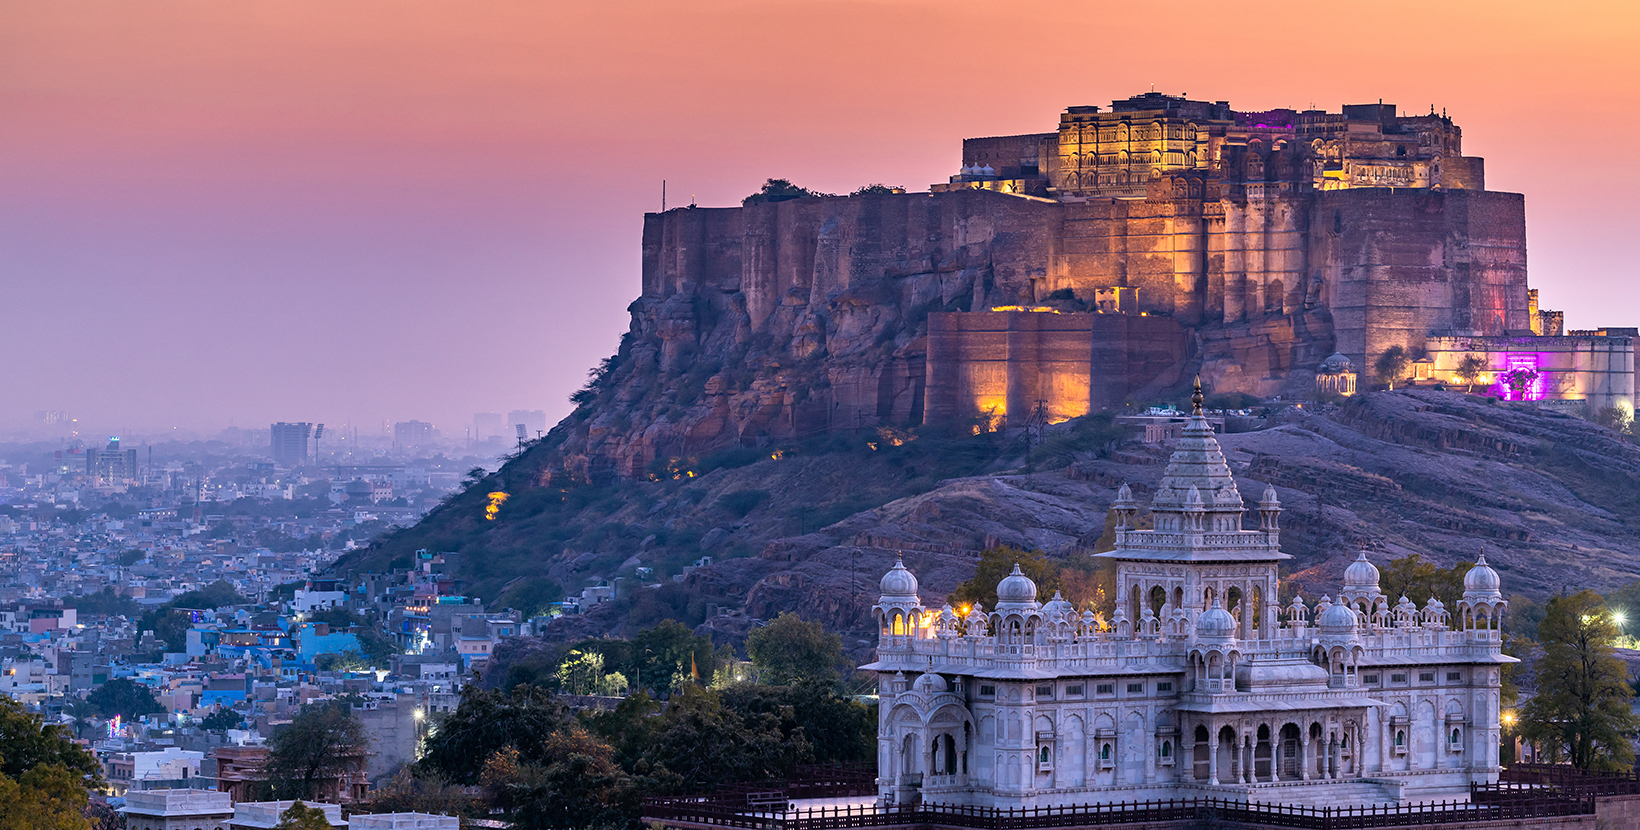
[
  {"x": 531, "y": 595},
  {"x": 27, "y": 742},
  {"x": 299, "y": 816},
  {"x": 1470, "y": 369},
  {"x": 668, "y": 656},
  {"x": 779, "y": 190},
  {"x": 840, "y": 729},
  {"x": 488, "y": 721},
  {"x": 998, "y": 562},
  {"x": 106, "y": 603},
  {"x": 44, "y": 775},
  {"x": 215, "y": 595},
  {"x": 1581, "y": 710},
  {"x": 124, "y": 697},
  {"x": 221, "y": 720},
  {"x": 168, "y": 624},
  {"x": 575, "y": 784},
  {"x": 698, "y": 743},
  {"x": 47, "y": 797},
  {"x": 1391, "y": 365},
  {"x": 323, "y": 744},
  {"x": 1418, "y": 579},
  {"x": 791, "y": 650}
]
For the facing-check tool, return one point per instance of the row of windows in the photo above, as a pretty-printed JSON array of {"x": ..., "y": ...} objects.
[
  {"x": 1046, "y": 692},
  {"x": 1401, "y": 677}
]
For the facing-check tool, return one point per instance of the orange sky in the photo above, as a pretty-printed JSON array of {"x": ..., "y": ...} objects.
[{"x": 362, "y": 210}]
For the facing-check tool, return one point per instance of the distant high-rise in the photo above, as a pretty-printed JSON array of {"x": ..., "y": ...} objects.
[
  {"x": 534, "y": 420},
  {"x": 111, "y": 465},
  {"x": 290, "y": 443},
  {"x": 408, "y": 435},
  {"x": 487, "y": 425}
]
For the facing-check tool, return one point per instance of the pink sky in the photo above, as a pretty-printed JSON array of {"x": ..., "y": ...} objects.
[{"x": 243, "y": 212}]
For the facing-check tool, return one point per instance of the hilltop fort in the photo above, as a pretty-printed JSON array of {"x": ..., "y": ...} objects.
[{"x": 1058, "y": 273}]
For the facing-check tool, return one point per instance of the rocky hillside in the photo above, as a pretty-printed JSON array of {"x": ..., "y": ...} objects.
[{"x": 1550, "y": 499}]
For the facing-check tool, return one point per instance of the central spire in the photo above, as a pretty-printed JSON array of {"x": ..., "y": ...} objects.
[{"x": 1197, "y": 464}]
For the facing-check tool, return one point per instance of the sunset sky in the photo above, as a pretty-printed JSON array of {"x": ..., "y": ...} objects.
[{"x": 238, "y": 212}]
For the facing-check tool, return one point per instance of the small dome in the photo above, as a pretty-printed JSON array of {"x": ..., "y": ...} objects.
[
  {"x": 1336, "y": 620},
  {"x": 1216, "y": 623},
  {"x": 1016, "y": 587},
  {"x": 931, "y": 683},
  {"x": 976, "y": 614},
  {"x": 1361, "y": 573},
  {"x": 1269, "y": 500},
  {"x": 987, "y": 170},
  {"x": 1336, "y": 363},
  {"x": 1481, "y": 579},
  {"x": 899, "y": 582},
  {"x": 1057, "y": 607}
]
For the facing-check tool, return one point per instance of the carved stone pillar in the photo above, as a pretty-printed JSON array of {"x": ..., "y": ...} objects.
[
  {"x": 1304, "y": 761},
  {"x": 1213, "y": 758},
  {"x": 1251, "y": 764}
]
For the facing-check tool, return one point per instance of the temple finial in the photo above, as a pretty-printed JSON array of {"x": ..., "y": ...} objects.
[{"x": 1196, "y": 399}]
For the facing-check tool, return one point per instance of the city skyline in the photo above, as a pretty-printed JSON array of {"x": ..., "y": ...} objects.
[{"x": 220, "y": 204}]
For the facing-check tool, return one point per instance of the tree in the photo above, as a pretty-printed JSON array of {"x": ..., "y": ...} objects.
[
  {"x": 487, "y": 721},
  {"x": 26, "y": 742},
  {"x": 1469, "y": 370},
  {"x": 576, "y": 784},
  {"x": 105, "y": 603},
  {"x": 168, "y": 624},
  {"x": 698, "y": 743},
  {"x": 840, "y": 729},
  {"x": 1581, "y": 710},
  {"x": 302, "y": 817},
  {"x": 779, "y": 190},
  {"x": 790, "y": 650},
  {"x": 44, "y": 775},
  {"x": 124, "y": 697},
  {"x": 1418, "y": 579},
  {"x": 47, "y": 797},
  {"x": 1391, "y": 365},
  {"x": 877, "y": 189},
  {"x": 668, "y": 656},
  {"x": 324, "y": 744},
  {"x": 998, "y": 562},
  {"x": 221, "y": 720}
]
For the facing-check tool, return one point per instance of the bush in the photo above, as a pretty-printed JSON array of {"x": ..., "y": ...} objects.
[{"x": 741, "y": 502}]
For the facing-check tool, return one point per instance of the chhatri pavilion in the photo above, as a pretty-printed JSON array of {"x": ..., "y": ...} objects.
[{"x": 1200, "y": 684}]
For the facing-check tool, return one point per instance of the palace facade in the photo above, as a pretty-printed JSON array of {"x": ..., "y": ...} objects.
[{"x": 1201, "y": 683}]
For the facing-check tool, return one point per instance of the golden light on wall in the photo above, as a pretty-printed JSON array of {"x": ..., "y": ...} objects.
[{"x": 496, "y": 499}]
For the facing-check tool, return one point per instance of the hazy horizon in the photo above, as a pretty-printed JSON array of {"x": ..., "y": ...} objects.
[{"x": 238, "y": 214}]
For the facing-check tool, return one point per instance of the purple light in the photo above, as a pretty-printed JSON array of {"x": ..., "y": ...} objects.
[{"x": 1521, "y": 381}]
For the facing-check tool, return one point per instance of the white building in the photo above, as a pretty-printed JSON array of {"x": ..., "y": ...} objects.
[
  {"x": 177, "y": 810},
  {"x": 265, "y": 815},
  {"x": 404, "y": 821},
  {"x": 1200, "y": 685}
]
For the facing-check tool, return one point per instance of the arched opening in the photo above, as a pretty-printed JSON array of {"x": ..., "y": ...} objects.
[
  {"x": 950, "y": 755},
  {"x": 1232, "y": 603},
  {"x": 1227, "y": 749},
  {"x": 908, "y": 752},
  {"x": 1158, "y": 598},
  {"x": 1042, "y": 755},
  {"x": 1318, "y": 752},
  {"x": 1262, "y": 757},
  {"x": 899, "y": 624},
  {"x": 1199, "y": 762},
  {"x": 1289, "y": 750}
]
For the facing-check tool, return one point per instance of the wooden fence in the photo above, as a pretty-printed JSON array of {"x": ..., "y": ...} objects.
[{"x": 1489, "y": 804}]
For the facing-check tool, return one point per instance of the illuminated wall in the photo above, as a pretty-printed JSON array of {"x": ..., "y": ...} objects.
[
  {"x": 1006, "y": 362},
  {"x": 1599, "y": 370}
]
